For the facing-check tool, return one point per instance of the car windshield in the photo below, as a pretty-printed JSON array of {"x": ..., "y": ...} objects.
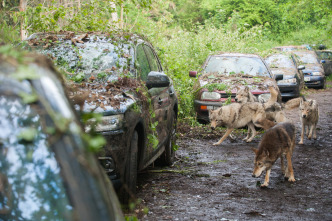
[
  {"x": 95, "y": 55},
  {"x": 32, "y": 187},
  {"x": 227, "y": 65},
  {"x": 307, "y": 58},
  {"x": 279, "y": 61}
]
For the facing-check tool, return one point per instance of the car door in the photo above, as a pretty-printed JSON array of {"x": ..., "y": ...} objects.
[
  {"x": 299, "y": 72},
  {"x": 148, "y": 61},
  {"x": 328, "y": 63}
]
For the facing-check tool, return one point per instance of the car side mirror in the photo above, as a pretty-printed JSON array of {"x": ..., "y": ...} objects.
[
  {"x": 278, "y": 77},
  {"x": 301, "y": 67},
  {"x": 157, "y": 79},
  {"x": 322, "y": 61},
  {"x": 193, "y": 74}
]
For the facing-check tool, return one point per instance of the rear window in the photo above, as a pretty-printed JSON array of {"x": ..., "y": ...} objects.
[
  {"x": 236, "y": 65},
  {"x": 98, "y": 56},
  {"x": 30, "y": 177}
]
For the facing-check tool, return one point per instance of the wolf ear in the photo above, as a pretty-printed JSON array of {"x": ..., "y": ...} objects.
[
  {"x": 301, "y": 102},
  {"x": 246, "y": 89},
  {"x": 220, "y": 110},
  {"x": 255, "y": 150},
  {"x": 311, "y": 102}
]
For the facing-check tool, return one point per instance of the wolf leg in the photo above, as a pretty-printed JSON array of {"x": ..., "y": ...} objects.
[
  {"x": 267, "y": 178},
  {"x": 290, "y": 167},
  {"x": 315, "y": 134},
  {"x": 311, "y": 126},
  {"x": 248, "y": 134},
  {"x": 302, "y": 134},
  {"x": 282, "y": 164},
  {"x": 253, "y": 132},
  {"x": 229, "y": 130}
]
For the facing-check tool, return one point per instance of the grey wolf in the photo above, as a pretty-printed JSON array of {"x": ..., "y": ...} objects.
[
  {"x": 273, "y": 112},
  {"x": 309, "y": 118},
  {"x": 237, "y": 115},
  {"x": 278, "y": 141}
]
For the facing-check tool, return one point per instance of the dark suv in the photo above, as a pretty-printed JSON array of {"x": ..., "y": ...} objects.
[
  {"x": 46, "y": 170},
  {"x": 120, "y": 77}
]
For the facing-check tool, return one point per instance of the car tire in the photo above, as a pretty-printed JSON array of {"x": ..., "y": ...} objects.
[
  {"x": 130, "y": 175},
  {"x": 168, "y": 156}
]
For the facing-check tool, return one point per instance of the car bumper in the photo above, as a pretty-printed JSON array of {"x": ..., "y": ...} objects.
[
  {"x": 314, "y": 81},
  {"x": 202, "y": 109},
  {"x": 289, "y": 90}
]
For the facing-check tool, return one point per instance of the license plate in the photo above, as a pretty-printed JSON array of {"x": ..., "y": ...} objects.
[
  {"x": 306, "y": 78},
  {"x": 211, "y": 107}
]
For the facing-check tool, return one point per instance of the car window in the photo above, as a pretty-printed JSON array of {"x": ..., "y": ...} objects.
[
  {"x": 307, "y": 58},
  {"x": 143, "y": 66},
  {"x": 154, "y": 64},
  {"x": 95, "y": 56},
  {"x": 279, "y": 61},
  {"x": 227, "y": 65},
  {"x": 29, "y": 172}
]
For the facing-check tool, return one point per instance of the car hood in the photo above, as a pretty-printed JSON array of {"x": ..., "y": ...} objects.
[
  {"x": 233, "y": 83},
  {"x": 312, "y": 67},
  {"x": 287, "y": 72},
  {"x": 99, "y": 98}
]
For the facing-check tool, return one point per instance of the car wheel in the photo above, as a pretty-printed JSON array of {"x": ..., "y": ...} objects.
[
  {"x": 167, "y": 158},
  {"x": 130, "y": 175}
]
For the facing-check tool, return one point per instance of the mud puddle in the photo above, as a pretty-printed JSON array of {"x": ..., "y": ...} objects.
[{"x": 214, "y": 182}]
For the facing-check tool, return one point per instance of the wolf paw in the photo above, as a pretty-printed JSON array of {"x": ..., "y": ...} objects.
[
  {"x": 215, "y": 144},
  {"x": 291, "y": 179},
  {"x": 301, "y": 142},
  {"x": 264, "y": 185}
]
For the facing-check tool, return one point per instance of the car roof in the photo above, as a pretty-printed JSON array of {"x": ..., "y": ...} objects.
[{"x": 235, "y": 54}]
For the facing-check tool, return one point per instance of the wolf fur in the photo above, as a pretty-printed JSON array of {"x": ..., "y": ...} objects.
[
  {"x": 237, "y": 115},
  {"x": 273, "y": 112},
  {"x": 279, "y": 141},
  {"x": 309, "y": 118}
]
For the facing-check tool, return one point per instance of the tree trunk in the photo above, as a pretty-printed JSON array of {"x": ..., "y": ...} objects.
[
  {"x": 23, "y": 6},
  {"x": 114, "y": 15}
]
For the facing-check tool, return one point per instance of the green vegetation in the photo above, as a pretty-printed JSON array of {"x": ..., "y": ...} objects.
[{"x": 184, "y": 32}]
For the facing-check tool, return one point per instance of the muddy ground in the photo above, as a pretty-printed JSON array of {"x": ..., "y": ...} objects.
[{"x": 214, "y": 182}]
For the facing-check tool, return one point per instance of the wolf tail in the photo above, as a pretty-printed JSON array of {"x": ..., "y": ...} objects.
[
  {"x": 294, "y": 103},
  {"x": 273, "y": 99}
]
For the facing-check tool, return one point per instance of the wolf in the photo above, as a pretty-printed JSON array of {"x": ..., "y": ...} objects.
[
  {"x": 278, "y": 141},
  {"x": 273, "y": 112},
  {"x": 309, "y": 117},
  {"x": 237, "y": 115}
]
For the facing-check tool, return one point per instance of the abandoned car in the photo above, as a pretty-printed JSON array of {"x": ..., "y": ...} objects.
[
  {"x": 120, "y": 77},
  {"x": 325, "y": 57},
  {"x": 314, "y": 76},
  {"x": 46, "y": 169},
  {"x": 288, "y": 73},
  {"x": 223, "y": 75}
]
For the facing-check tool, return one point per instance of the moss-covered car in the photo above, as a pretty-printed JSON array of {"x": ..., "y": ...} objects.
[
  {"x": 120, "y": 77},
  {"x": 314, "y": 75},
  {"x": 288, "y": 73},
  {"x": 46, "y": 169},
  {"x": 223, "y": 75}
]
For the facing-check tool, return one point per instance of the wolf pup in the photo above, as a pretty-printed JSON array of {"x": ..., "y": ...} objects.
[
  {"x": 309, "y": 118},
  {"x": 238, "y": 115},
  {"x": 276, "y": 142}
]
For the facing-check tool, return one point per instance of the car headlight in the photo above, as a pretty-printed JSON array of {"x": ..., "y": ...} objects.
[
  {"x": 316, "y": 73},
  {"x": 108, "y": 123},
  {"x": 263, "y": 98},
  {"x": 287, "y": 81},
  {"x": 210, "y": 96}
]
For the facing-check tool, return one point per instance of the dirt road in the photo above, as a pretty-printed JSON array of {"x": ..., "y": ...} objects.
[{"x": 214, "y": 182}]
